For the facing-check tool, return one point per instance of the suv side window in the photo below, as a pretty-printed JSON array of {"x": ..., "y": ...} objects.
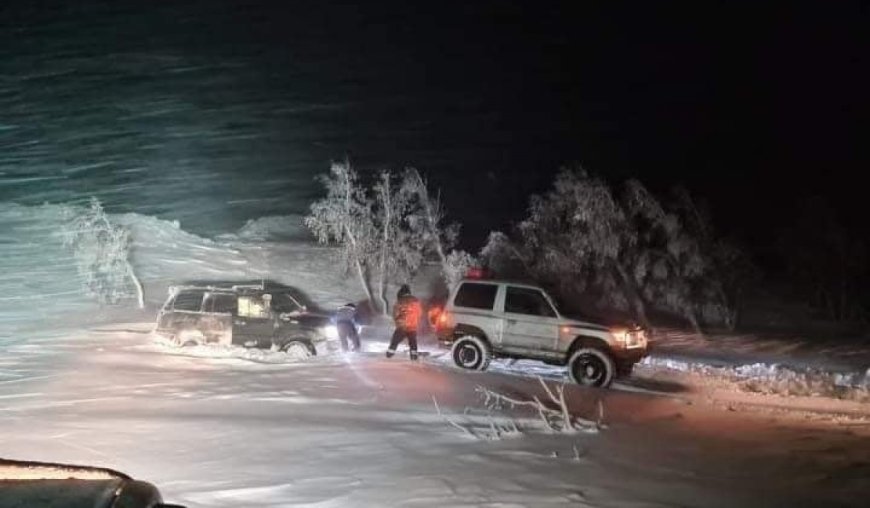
[
  {"x": 476, "y": 296},
  {"x": 188, "y": 300},
  {"x": 221, "y": 303},
  {"x": 253, "y": 307},
  {"x": 527, "y": 301}
]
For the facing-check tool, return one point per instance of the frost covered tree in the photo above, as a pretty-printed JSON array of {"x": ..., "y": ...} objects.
[
  {"x": 401, "y": 236},
  {"x": 102, "y": 252},
  {"x": 385, "y": 231},
  {"x": 729, "y": 270},
  {"x": 630, "y": 250},
  {"x": 345, "y": 218},
  {"x": 439, "y": 237},
  {"x": 578, "y": 233},
  {"x": 455, "y": 266},
  {"x": 669, "y": 264}
]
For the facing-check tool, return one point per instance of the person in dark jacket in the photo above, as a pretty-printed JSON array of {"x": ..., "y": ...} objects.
[
  {"x": 406, "y": 314},
  {"x": 345, "y": 322}
]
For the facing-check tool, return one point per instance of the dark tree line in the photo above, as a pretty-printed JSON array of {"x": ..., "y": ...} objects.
[{"x": 825, "y": 263}]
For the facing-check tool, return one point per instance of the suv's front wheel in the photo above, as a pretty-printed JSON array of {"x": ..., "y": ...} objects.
[
  {"x": 591, "y": 367},
  {"x": 470, "y": 352}
]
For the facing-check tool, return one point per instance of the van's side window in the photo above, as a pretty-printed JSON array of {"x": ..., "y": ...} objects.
[
  {"x": 188, "y": 300},
  {"x": 476, "y": 296},
  {"x": 253, "y": 307},
  {"x": 221, "y": 303}
]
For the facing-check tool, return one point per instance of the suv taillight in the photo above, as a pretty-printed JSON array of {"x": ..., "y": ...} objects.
[{"x": 442, "y": 320}]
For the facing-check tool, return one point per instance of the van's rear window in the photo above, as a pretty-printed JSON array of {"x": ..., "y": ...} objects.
[{"x": 188, "y": 300}]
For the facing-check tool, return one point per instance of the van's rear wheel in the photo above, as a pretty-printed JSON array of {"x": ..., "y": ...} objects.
[
  {"x": 470, "y": 352},
  {"x": 190, "y": 338},
  {"x": 591, "y": 367},
  {"x": 298, "y": 349}
]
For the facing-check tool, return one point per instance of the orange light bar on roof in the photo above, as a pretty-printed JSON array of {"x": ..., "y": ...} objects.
[{"x": 474, "y": 272}]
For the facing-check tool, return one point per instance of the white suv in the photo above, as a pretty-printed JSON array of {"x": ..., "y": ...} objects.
[{"x": 487, "y": 318}]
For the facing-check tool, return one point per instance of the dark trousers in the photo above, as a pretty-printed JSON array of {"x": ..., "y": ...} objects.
[
  {"x": 398, "y": 336},
  {"x": 346, "y": 329}
]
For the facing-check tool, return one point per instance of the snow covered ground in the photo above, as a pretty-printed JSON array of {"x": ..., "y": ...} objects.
[
  {"x": 231, "y": 427},
  {"x": 783, "y": 365},
  {"x": 234, "y": 427}
]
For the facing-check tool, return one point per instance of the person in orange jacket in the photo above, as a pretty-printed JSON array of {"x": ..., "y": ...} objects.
[{"x": 406, "y": 313}]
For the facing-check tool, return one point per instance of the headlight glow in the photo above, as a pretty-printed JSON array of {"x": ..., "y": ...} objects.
[
  {"x": 620, "y": 335},
  {"x": 629, "y": 338},
  {"x": 330, "y": 332}
]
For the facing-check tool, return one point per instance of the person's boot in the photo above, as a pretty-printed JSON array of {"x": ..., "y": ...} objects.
[
  {"x": 390, "y": 353},
  {"x": 413, "y": 356}
]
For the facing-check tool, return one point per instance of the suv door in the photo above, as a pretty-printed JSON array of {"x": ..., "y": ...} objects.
[
  {"x": 254, "y": 324},
  {"x": 531, "y": 324}
]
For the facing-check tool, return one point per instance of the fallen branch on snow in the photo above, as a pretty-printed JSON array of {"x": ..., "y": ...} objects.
[
  {"x": 489, "y": 430},
  {"x": 554, "y": 420}
]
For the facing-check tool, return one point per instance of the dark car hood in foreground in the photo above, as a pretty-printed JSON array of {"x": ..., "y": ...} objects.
[{"x": 45, "y": 485}]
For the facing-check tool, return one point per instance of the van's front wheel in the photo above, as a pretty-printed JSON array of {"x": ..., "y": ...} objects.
[
  {"x": 298, "y": 349},
  {"x": 470, "y": 352},
  {"x": 591, "y": 367}
]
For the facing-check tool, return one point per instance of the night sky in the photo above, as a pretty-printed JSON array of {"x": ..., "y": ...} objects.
[{"x": 217, "y": 112}]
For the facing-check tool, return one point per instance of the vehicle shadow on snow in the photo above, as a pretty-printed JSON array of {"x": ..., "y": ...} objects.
[
  {"x": 651, "y": 385},
  {"x": 533, "y": 370}
]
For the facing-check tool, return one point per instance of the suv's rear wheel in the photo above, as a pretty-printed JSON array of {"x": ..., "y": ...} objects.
[
  {"x": 470, "y": 352},
  {"x": 591, "y": 367}
]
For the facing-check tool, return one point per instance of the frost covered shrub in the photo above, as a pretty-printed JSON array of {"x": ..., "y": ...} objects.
[{"x": 102, "y": 253}]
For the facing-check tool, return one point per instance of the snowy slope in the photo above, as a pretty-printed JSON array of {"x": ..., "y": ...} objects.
[{"x": 40, "y": 289}]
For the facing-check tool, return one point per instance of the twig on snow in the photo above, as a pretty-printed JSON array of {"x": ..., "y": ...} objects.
[
  {"x": 451, "y": 422},
  {"x": 490, "y": 429}
]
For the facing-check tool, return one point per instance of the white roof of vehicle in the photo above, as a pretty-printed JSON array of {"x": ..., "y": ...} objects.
[{"x": 502, "y": 281}]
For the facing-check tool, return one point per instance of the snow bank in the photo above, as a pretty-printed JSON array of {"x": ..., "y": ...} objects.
[
  {"x": 39, "y": 280},
  {"x": 280, "y": 228},
  {"x": 774, "y": 378}
]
